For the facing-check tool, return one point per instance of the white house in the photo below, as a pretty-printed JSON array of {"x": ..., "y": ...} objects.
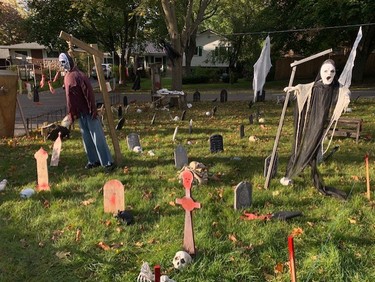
[{"x": 209, "y": 45}]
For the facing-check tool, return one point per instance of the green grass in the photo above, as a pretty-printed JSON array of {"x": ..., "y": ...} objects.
[{"x": 38, "y": 235}]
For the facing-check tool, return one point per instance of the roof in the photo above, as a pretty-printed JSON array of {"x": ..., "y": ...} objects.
[
  {"x": 26, "y": 45},
  {"x": 4, "y": 54},
  {"x": 152, "y": 48}
]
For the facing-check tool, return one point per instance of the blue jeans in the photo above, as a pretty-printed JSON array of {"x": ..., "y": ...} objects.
[{"x": 94, "y": 140}]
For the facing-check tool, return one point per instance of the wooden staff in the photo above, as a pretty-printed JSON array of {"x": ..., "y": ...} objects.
[
  {"x": 293, "y": 277},
  {"x": 281, "y": 122},
  {"x": 367, "y": 177}
]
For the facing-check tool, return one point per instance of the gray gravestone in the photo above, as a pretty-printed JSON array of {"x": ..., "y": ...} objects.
[
  {"x": 216, "y": 143},
  {"x": 267, "y": 162},
  {"x": 242, "y": 195},
  {"x": 196, "y": 96},
  {"x": 191, "y": 126},
  {"x": 180, "y": 157},
  {"x": 223, "y": 96},
  {"x": 133, "y": 140},
  {"x": 242, "y": 131},
  {"x": 251, "y": 119}
]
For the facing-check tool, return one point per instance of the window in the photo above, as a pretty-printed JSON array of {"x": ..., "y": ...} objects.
[{"x": 198, "y": 51}]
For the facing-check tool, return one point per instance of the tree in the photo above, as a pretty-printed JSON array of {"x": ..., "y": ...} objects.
[
  {"x": 180, "y": 32},
  {"x": 12, "y": 30}
]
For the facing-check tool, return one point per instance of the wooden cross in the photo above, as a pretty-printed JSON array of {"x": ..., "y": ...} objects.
[
  {"x": 41, "y": 157},
  {"x": 188, "y": 205}
]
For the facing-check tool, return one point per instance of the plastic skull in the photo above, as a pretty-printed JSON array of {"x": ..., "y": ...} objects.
[
  {"x": 181, "y": 260},
  {"x": 137, "y": 149},
  {"x": 165, "y": 278}
]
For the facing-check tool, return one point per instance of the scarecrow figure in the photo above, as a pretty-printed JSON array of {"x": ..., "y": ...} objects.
[{"x": 318, "y": 106}]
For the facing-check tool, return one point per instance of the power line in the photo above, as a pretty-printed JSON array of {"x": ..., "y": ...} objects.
[{"x": 301, "y": 29}]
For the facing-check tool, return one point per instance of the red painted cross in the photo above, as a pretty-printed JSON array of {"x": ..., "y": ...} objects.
[{"x": 188, "y": 205}]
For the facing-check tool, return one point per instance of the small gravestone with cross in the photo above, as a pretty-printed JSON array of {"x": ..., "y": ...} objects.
[
  {"x": 113, "y": 193},
  {"x": 41, "y": 157},
  {"x": 267, "y": 162},
  {"x": 180, "y": 157},
  {"x": 216, "y": 143},
  {"x": 188, "y": 205},
  {"x": 242, "y": 195},
  {"x": 133, "y": 141}
]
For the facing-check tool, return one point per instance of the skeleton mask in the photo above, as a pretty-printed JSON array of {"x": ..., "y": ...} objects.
[
  {"x": 181, "y": 260},
  {"x": 66, "y": 61},
  {"x": 327, "y": 73}
]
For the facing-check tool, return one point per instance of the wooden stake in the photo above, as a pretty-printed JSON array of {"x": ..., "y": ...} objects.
[
  {"x": 157, "y": 273},
  {"x": 367, "y": 177},
  {"x": 281, "y": 121},
  {"x": 293, "y": 277}
]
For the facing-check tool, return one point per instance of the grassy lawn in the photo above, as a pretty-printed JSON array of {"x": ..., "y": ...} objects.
[{"x": 64, "y": 234}]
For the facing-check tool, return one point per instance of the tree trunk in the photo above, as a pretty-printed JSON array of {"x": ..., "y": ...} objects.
[
  {"x": 190, "y": 51},
  {"x": 177, "y": 65}
]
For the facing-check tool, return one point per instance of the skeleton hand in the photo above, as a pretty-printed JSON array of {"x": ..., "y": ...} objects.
[{"x": 290, "y": 88}]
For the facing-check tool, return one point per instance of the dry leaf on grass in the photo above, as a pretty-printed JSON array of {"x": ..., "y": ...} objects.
[
  {"x": 352, "y": 220},
  {"x": 62, "y": 255},
  {"x": 278, "y": 268},
  {"x": 78, "y": 235},
  {"x": 172, "y": 203},
  {"x": 232, "y": 237},
  {"x": 103, "y": 246},
  {"x": 139, "y": 244},
  {"x": 296, "y": 232},
  {"x": 88, "y": 202}
]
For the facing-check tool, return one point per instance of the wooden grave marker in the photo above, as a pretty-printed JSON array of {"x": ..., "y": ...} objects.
[
  {"x": 188, "y": 205},
  {"x": 41, "y": 157},
  {"x": 114, "y": 199},
  {"x": 56, "y": 151}
]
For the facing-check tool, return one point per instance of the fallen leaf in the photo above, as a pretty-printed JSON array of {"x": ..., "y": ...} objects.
[
  {"x": 62, "y": 255},
  {"x": 139, "y": 244},
  {"x": 278, "y": 268},
  {"x": 172, "y": 203},
  {"x": 310, "y": 224},
  {"x": 104, "y": 246},
  {"x": 232, "y": 238},
  {"x": 126, "y": 170},
  {"x": 78, "y": 235},
  {"x": 88, "y": 202},
  {"x": 296, "y": 232},
  {"x": 276, "y": 193},
  {"x": 352, "y": 220},
  {"x": 41, "y": 244}
]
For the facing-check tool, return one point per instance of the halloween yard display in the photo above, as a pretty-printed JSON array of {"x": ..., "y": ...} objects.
[{"x": 315, "y": 101}]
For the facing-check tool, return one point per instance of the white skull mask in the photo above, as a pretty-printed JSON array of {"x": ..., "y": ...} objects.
[
  {"x": 181, "y": 260},
  {"x": 327, "y": 73}
]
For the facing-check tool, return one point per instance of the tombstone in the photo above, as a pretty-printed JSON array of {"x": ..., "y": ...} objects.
[
  {"x": 188, "y": 205},
  {"x": 113, "y": 193},
  {"x": 119, "y": 112},
  {"x": 214, "y": 110},
  {"x": 56, "y": 151},
  {"x": 267, "y": 162},
  {"x": 125, "y": 101},
  {"x": 133, "y": 140},
  {"x": 242, "y": 131},
  {"x": 175, "y": 134},
  {"x": 196, "y": 96},
  {"x": 216, "y": 143},
  {"x": 41, "y": 157},
  {"x": 180, "y": 157},
  {"x": 120, "y": 123},
  {"x": 223, "y": 96},
  {"x": 251, "y": 119},
  {"x": 257, "y": 115},
  {"x": 153, "y": 119},
  {"x": 191, "y": 126},
  {"x": 183, "y": 115},
  {"x": 242, "y": 195}
]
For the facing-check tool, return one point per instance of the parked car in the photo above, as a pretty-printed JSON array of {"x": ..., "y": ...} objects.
[{"x": 107, "y": 69}]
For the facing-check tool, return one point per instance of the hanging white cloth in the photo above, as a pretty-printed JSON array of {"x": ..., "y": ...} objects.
[{"x": 262, "y": 67}]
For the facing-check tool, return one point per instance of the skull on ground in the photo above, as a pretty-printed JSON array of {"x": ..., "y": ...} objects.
[{"x": 181, "y": 260}]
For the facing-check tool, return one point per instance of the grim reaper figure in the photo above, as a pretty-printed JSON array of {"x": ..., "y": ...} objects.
[{"x": 318, "y": 107}]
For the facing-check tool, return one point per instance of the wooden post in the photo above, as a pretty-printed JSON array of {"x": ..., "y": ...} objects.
[
  {"x": 293, "y": 277},
  {"x": 281, "y": 122},
  {"x": 98, "y": 56},
  {"x": 367, "y": 177}
]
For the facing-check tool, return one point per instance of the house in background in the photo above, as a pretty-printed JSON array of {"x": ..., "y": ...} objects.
[{"x": 210, "y": 47}]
